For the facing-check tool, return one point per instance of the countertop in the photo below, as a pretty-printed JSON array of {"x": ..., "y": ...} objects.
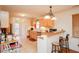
[{"x": 49, "y": 34}]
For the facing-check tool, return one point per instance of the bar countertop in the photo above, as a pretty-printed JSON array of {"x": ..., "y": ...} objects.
[{"x": 49, "y": 34}]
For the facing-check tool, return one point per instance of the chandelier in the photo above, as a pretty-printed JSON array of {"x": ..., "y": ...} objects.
[{"x": 50, "y": 15}]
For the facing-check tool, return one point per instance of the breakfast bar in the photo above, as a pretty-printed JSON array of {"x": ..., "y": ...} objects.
[{"x": 44, "y": 42}]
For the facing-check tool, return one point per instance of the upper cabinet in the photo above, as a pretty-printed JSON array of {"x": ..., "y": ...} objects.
[
  {"x": 44, "y": 22},
  {"x": 75, "y": 25},
  {"x": 4, "y": 18}
]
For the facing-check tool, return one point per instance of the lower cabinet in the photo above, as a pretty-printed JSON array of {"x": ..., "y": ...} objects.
[{"x": 42, "y": 44}]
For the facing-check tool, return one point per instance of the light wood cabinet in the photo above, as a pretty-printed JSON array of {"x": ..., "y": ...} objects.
[
  {"x": 33, "y": 35},
  {"x": 75, "y": 25},
  {"x": 44, "y": 22}
]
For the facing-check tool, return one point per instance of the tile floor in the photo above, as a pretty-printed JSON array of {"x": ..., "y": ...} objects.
[{"x": 28, "y": 46}]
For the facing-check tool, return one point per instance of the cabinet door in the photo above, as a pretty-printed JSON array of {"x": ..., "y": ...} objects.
[
  {"x": 4, "y": 18},
  {"x": 75, "y": 25}
]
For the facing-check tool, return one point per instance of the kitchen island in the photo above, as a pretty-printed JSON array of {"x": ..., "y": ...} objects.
[
  {"x": 44, "y": 42},
  {"x": 33, "y": 34},
  {"x": 49, "y": 34}
]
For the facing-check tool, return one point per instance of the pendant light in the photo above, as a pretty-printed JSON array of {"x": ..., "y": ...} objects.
[{"x": 50, "y": 15}]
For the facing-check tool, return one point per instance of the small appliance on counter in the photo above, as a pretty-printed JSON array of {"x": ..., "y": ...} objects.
[{"x": 52, "y": 30}]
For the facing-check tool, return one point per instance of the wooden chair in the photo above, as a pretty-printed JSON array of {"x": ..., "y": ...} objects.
[
  {"x": 61, "y": 44},
  {"x": 55, "y": 47},
  {"x": 64, "y": 44},
  {"x": 67, "y": 43}
]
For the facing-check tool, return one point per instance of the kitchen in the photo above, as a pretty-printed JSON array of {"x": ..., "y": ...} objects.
[{"x": 29, "y": 31}]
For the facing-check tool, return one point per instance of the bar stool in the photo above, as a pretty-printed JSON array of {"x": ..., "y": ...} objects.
[
  {"x": 61, "y": 44},
  {"x": 55, "y": 47},
  {"x": 64, "y": 44},
  {"x": 67, "y": 43}
]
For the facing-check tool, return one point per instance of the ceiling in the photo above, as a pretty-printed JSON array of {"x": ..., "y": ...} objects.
[{"x": 35, "y": 10}]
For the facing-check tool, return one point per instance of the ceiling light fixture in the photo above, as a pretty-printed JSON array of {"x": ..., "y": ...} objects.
[{"x": 50, "y": 15}]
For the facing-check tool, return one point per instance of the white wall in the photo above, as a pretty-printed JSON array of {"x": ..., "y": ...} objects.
[{"x": 64, "y": 19}]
